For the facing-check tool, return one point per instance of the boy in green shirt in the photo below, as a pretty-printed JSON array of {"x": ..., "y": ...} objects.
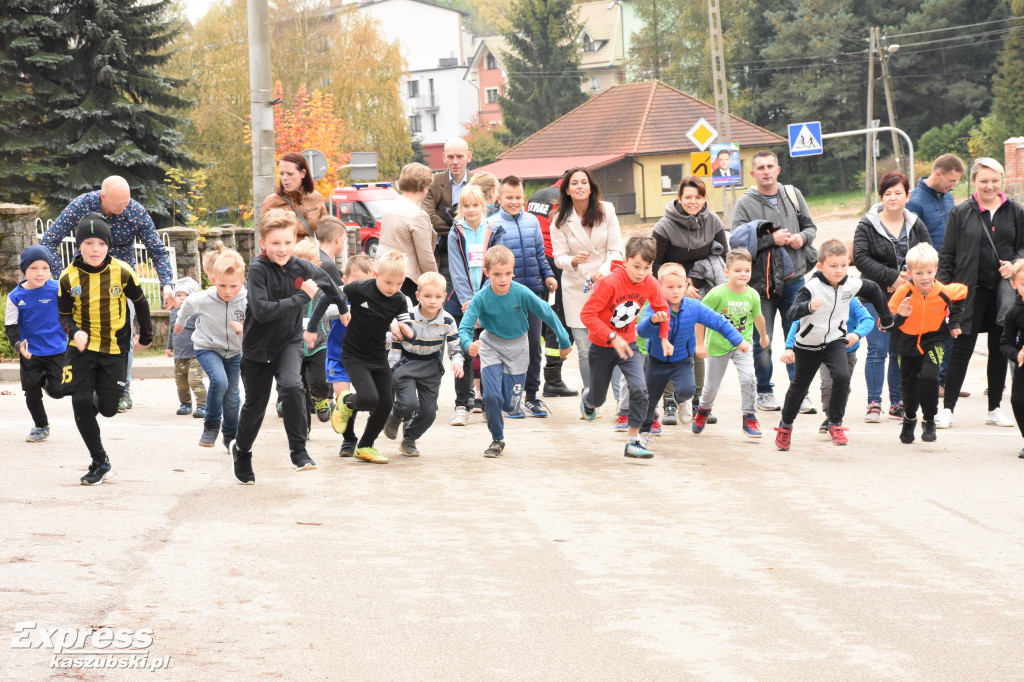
[{"x": 741, "y": 305}]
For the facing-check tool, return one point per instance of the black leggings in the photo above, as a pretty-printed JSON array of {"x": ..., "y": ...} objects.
[
  {"x": 86, "y": 405},
  {"x": 984, "y": 320},
  {"x": 373, "y": 394},
  {"x": 919, "y": 381},
  {"x": 1017, "y": 397}
]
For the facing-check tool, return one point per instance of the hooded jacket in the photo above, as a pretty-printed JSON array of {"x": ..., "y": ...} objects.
[
  {"x": 752, "y": 205},
  {"x": 524, "y": 238},
  {"x": 685, "y": 239},
  {"x": 820, "y": 327},
  {"x": 875, "y": 251},
  {"x": 213, "y": 321},
  {"x": 1013, "y": 333},
  {"x": 458, "y": 264},
  {"x": 773, "y": 267},
  {"x": 681, "y": 329},
  {"x": 933, "y": 208},
  {"x": 926, "y": 324}
]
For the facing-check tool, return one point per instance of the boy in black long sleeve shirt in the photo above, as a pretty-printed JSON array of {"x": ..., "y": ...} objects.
[{"x": 279, "y": 287}]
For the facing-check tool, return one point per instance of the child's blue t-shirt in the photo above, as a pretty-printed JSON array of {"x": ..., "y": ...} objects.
[
  {"x": 35, "y": 311},
  {"x": 475, "y": 248}
]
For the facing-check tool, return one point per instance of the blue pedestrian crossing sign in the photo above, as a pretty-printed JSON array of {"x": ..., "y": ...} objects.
[{"x": 805, "y": 139}]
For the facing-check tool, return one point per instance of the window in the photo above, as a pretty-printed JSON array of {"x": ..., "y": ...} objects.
[
  {"x": 414, "y": 89},
  {"x": 670, "y": 177},
  {"x": 588, "y": 43},
  {"x": 492, "y": 95},
  {"x": 433, "y": 122},
  {"x": 595, "y": 84},
  {"x": 492, "y": 61},
  {"x": 415, "y": 126}
]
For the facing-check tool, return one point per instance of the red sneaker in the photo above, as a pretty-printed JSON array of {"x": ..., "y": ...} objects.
[
  {"x": 784, "y": 436},
  {"x": 622, "y": 422},
  {"x": 700, "y": 418},
  {"x": 838, "y": 434}
]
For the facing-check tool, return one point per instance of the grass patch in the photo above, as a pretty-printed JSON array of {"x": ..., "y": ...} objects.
[{"x": 836, "y": 201}]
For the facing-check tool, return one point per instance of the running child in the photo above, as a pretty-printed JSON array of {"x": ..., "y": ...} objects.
[
  {"x": 610, "y": 315},
  {"x": 375, "y": 304},
  {"x": 314, "y": 346},
  {"x": 685, "y": 315},
  {"x": 278, "y": 288},
  {"x": 417, "y": 376},
  {"x": 220, "y": 317},
  {"x": 1012, "y": 346},
  {"x": 921, "y": 307},
  {"x": 503, "y": 309},
  {"x": 93, "y": 300},
  {"x": 821, "y": 309},
  {"x": 188, "y": 375},
  {"x": 33, "y": 327},
  {"x": 741, "y": 305}
]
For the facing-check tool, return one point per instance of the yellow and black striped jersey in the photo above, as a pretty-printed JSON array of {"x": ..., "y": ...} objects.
[{"x": 95, "y": 300}]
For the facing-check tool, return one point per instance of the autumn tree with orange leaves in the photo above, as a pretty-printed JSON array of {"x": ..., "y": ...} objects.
[{"x": 308, "y": 122}]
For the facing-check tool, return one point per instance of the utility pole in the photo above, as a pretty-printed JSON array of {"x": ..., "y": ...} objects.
[
  {"x": 260, "y": 89},
  {"x": 870, "y": 153},
  {"x": 720, "y": 87},
  {"x": 883, "y": 52}
]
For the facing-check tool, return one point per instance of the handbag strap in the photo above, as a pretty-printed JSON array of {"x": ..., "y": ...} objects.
[{"x": 309, "y": 232}]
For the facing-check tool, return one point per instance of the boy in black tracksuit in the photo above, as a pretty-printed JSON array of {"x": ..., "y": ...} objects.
[
  {"x": 278, "y": 287},
  {"x": 1012, "y": 346}
]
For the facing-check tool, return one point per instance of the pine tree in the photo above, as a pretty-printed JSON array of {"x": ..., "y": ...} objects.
[
  {"x": 117, "y": 121},
  {"x": 1008, "y": 85},
  {"x": 543, "y": 65}
]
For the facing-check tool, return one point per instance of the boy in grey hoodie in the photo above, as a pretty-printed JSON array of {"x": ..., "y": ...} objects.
[{"x": 218, "y": 343}]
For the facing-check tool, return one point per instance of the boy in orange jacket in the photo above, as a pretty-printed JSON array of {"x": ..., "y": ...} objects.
[{"x": 920, "y": 307}]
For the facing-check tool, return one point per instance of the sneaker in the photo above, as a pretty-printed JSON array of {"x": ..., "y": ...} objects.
[
  {"x": 341, "y": 413},
  {"x": 928, "y": 431},
  {"x": 301, "y": 461},
  {"x": 1021, "y": 453},
  {"x": 645, "y": 440},
  {"x": 750, "y": 426},
  {"x": 38, "y": 434},
  {"x": 622, "y": 422},
  {"x": 997, "y": 418},
  {"x": 184, "y": 408},
  {"x": 97, "y": 470},
  {"x": 122, "y": 406},
  {"x": 558, "y": 389},
  {"x": 824, "y": 427},
  {"x": 587, "y": 413},
  {"x": 656, "y": 426},
  {"x": 635, "y": 450},
  {"x": 200, "y": 412},
  {"x": 280, "y": 409},
  {"x": 783, "y": 436},
  {"x": 209, "y": 438},
  {"x": 685, "y": 413},
  {"x": 837, "y": 432},
  {"x": 348, "y": 449},
  {"x": 408, "y": 448},
  {"x": 766, "y": 402},
  {"x": 460, "y": 417},
  {"x": 945, "y": 419},
  {"x": 391, "y": 426},
  {"x": 874, "y": 413},
  {"x": 227, "y": 439},
  {"x": 806, "y": 406},
  {"x": 896, "y": 411},
  {"x": 907, "y": 432},
  {"x": 478, "y": 405},
  {"x": 700, "y": 419},
  {"x": 670, "y": 414},
  {"x": 516, "y": 413},
  {"x": 242, "y": 463},
  {"x": 323, "y": 409},
  {"x": 371, "y": 455},
  {"x": 494, "y": 449},
  {"x": 712, "y": 419},
  {"x": 536, "y": 408}
]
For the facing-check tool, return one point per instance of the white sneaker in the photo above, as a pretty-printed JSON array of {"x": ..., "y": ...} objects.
[
  {"x": 685, "y": 413},
  {"x": 997, "y": 418},
  {"x": 460, "y": 417},
  {"x": 945, "y": 419},
  {"x": 806, "y": 406},
  {"x": 645, "y": 438},
  {"x": 766, "y": 402}
]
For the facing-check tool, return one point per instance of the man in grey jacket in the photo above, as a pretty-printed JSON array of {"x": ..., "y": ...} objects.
[{"x": 787, "y": 210}]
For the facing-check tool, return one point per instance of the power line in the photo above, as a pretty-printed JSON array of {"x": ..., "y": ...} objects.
[
  {"x": 951, "y": 28},
  {"x": 965, "y": 37}
]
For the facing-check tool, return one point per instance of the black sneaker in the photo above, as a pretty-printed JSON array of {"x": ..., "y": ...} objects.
[
  {"x": 242, "y": 462},
  {"x": 226, "y": 439},
  {"x": 907, "y": 433},
  {"x": 391, "y": 426},
  {"x": 494, "y": 449},
  {"x": 408, "y": 448},
  {"x": 535, "y": 407},
  {"x": 824, "y": 427},
  {"x": 558, "y": 389},
  {"x": 184, "y": 408},
  {"x": 669, "y": 418},
  {"x": 200, "y": 412},
  {"x": 209, "y": 438},
  {"x": 928, "y": 431},
  {"x": 478, "y": 406},
  {"x": 302, "y": 462},
  {"x": 97, "y": 470},
  {"x": 348, "y": 449}
]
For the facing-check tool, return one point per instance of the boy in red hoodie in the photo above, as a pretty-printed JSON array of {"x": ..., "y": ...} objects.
[{"x": 610, "y": 315}]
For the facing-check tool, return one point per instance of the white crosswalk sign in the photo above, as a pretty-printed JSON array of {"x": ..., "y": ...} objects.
[{"x": 805, "y": 139}]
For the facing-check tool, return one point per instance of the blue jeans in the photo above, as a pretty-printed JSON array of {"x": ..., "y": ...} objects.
[
  {"x": 881, "y": 345},
  {"x": 222, "y": 396},
  {"x": 763, "y": 356}
]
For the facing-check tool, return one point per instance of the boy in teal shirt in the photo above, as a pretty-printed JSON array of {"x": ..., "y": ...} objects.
[
  {"x": 502, "y": 308},
  {"x": 741, "y": 305}
]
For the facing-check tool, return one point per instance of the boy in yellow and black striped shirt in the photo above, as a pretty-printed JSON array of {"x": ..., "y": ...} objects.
[{"x": 93, "y": 306}]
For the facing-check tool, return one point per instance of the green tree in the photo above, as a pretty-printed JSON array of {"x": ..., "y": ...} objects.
[
  {"x": 951, "y": 138},
  {"x": 543, "y": 65},
  {"x": 1008, "y": 88}
]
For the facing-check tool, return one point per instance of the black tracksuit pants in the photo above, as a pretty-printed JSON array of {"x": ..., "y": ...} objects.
[
  {"x": 258, "y": 378},
  {"x": 807, "y": 364}
]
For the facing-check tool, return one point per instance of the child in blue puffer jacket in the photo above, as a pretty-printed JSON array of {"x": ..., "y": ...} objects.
[
  {"x": 860, "y": 323},
  {"x": 685, "y": 314}
]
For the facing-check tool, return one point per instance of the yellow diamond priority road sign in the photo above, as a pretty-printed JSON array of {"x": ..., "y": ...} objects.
[{"x": 702, "y": 134}]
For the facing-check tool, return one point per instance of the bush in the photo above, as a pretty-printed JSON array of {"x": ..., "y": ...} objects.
[{"x": 951, "y": 138}]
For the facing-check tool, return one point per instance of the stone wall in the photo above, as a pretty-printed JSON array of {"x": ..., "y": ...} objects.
[{"x": 17, "y": 231}]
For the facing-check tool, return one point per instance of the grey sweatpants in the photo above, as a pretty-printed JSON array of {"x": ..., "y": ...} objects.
[
  {"x": 416, "y": 383},
  {"x": 602, "y": 361},
  {"x": 714, "y": 371}
]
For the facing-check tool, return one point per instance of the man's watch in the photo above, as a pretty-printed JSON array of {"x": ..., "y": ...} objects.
[{"x": 611, "y": 336}]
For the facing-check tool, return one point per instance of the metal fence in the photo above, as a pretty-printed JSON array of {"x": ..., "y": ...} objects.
[{"x": 144, "y": 269}]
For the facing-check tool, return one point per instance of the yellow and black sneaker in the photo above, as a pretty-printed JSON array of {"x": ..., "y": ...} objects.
[
  {"x": 341, "y": 413},
  {"x": 495, "y": 449},
  {"x": 369, "y": 454}
]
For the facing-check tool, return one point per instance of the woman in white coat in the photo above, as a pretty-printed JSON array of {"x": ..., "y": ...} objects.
[{"x": 585, "y": 240}]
